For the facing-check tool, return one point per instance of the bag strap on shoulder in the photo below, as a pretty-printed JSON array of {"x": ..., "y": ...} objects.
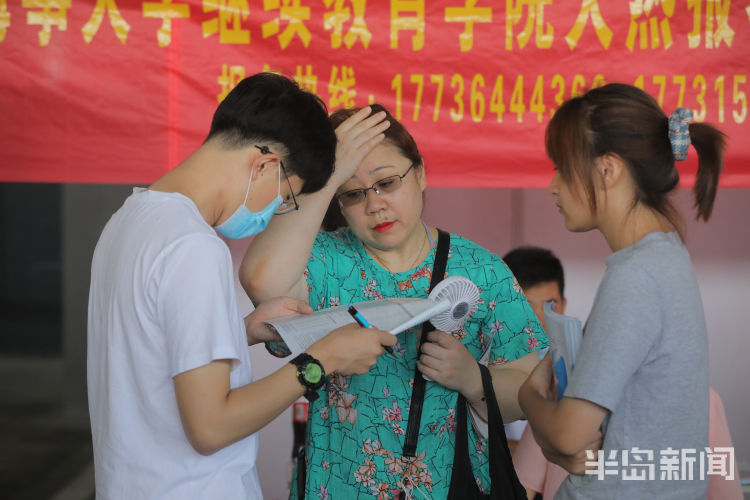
[{"x": 417, "y": 394}]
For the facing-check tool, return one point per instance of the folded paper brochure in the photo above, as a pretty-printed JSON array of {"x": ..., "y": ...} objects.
[
  {"x": 394, "y": 315},
  {"x": 565, "y": 335}
]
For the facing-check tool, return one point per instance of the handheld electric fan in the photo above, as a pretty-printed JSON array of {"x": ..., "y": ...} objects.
[
  {"x": 463, "y": 296},
  {"x": 455, "y": 299}
]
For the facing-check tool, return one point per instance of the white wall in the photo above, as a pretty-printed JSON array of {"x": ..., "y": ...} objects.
[{"x": 501, "y": 219}]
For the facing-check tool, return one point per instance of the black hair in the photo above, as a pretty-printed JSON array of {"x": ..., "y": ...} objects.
[
  {"x": 624, "y": 120},
  {"x": 269, "y": 108},
  {"x": 535, "y": 265}
]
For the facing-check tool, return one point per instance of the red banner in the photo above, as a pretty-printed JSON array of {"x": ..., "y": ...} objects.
[{"x": 121, "y": 91}]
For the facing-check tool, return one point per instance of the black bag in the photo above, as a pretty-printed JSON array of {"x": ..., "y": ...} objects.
[{"x": 505, "y": 483}]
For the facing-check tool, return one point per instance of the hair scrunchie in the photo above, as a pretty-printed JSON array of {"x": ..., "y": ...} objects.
[{"x": 679, "y": 134}]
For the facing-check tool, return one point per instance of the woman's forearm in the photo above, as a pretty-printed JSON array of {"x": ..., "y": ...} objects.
[
  {"x": 276, "y": 258},
  {"x": 507, "y": 380},
  {"x": 541, "y": 414},
  {"x": 506, "y": 383},
  {"x": 566, "y": 427}
]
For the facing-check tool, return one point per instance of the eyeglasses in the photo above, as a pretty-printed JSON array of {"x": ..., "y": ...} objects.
[
  {"x": 386, "y": 185},
  {"x": 286, "y": 205}
]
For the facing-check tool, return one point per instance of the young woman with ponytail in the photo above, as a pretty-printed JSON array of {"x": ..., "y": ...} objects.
[{"x": 640, "y": 381}]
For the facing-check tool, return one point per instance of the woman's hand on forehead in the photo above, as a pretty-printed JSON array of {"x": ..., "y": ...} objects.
[{"x": 357, "y": 136}]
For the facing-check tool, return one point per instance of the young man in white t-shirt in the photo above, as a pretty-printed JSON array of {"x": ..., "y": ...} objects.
[{"x": 174, "y": 409}]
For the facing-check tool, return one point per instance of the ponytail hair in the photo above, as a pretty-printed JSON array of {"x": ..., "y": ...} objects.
[
  {"x": 624, "y": 120},
  {"x": 709, "y": 142}
]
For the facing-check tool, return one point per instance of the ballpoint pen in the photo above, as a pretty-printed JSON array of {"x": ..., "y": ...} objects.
[{"x": 361, "y": 321}]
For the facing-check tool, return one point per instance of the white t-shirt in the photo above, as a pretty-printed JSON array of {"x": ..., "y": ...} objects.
[{"x": 162, "y": 302}]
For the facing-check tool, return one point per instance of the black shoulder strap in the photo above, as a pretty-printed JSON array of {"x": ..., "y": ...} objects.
[
  {"x": 441, "y": 258},
  {"x": 417, "y": 394}
]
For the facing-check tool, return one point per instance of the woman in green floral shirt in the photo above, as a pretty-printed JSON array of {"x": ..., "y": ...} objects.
[{"x": 356, "y": 430}]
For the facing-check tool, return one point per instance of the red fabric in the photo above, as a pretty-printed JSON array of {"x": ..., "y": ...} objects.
[
  {"x": 81, "y": 103},
  {"x": 719, "y": 487},
  {"x": 534, "y": 471}
]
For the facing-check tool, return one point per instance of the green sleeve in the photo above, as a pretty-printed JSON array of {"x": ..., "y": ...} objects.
[
  {"x": 319, "y": 267},
  {"x": 510, "y": 322}
]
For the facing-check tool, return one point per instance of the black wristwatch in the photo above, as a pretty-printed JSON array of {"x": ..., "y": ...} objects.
[{"x": 310, "y": 374}]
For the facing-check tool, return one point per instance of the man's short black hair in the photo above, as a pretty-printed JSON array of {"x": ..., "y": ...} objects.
[
  {"x": 272, "y": 110},
  {"x": 534, "y": 265}
]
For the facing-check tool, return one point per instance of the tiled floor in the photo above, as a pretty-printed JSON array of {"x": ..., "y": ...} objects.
[{"x": 45, "y": 452}]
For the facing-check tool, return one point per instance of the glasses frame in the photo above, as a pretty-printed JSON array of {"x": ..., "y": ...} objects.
[
  {"x": 289, "y": 208},
  {"x": 374, "y": 188}
]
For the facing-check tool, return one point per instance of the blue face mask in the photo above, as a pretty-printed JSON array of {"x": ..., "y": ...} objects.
[{"x": 243, "y": 223}]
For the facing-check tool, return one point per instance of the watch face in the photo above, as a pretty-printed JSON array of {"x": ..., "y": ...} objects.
[{"x": 313, "y": 373}]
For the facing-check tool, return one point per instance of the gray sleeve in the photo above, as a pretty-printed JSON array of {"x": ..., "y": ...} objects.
[{"x": 622, "y": 328}]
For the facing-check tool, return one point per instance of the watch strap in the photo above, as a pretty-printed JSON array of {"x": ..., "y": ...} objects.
[{"x": 311, "y": 388}]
